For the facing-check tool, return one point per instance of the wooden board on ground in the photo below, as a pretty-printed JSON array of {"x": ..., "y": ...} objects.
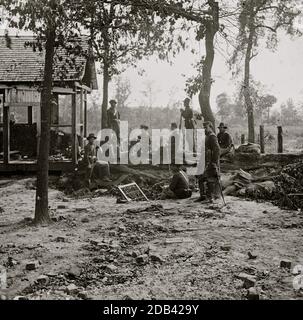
[{"x": 133, "y": 192}]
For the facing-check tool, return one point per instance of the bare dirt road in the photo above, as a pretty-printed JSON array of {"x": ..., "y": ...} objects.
[{"x": 97, "y": 249}]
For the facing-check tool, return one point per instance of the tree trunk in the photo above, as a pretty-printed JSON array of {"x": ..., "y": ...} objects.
[
  {"x": 41, "y": 208},
  {"x": 248, "y": 101},
  {"x": 204, "y": 95},
  {"x": 106, "y": 79},
  {"x": 105, "y": 95}
]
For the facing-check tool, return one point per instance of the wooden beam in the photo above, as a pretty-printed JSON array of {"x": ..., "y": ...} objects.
[
  {"x": 85, "y": 114},
  {"x": 74, "y": 128},
  {"x": 262, "y": 143},
  {"x": 30, "y": 114},
  {"x": 6, "y": 134},
  {"x": 83, "y": 86},
  {"x": 280, "y": 139}
]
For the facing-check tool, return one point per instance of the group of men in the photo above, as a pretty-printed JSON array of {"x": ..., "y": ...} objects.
[{"x": 216, "y": 146}]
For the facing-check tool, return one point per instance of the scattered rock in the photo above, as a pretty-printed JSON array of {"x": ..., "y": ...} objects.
[
  {"x": 112, "y": 233},
  {"x": 156, "y": 258},
  {"x": 3, "y": 297},
  {"x": 265, "y": 211},
  {"x": 135, "y": 254},
  {"x": 84, "y": 295},
  {"x": 225, "y": 247},
  {"x": 61, "y": 206},
  {"x": 32, "y": 265},
  {"x": 252, "y": 255},
  {"x": 111, "y": 268},
  {"x": 252, "y": 294},
  {"x": 11, "y": 262},
  {"x": 85, "y": 220},
  {"x": 28, "y": 220},
  {"x": 43, "y": 279},
  {"x": 285, "y": 264},
  {"x": 248, "y": 280},
  {"x": 79, "y": 209},
  {"x": 122, "y": 229},
  {"x": 60, "y": 239},
  {"x": 72, "y": 288},
  {"x": 142, "y": 259},
  {"x": 20, "y": 298},
  {"x": 74, "y": 272}
]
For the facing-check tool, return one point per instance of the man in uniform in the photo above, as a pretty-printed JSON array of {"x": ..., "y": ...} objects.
[
  {"x": 212, "y": 165},
  {"x": 113, "y": 119},
  {"x": 188, "y": 116},
  {"x": 96, "y": 169},
  {"x": 225, "y": 141},
  {"x": 179, "y": 185}
]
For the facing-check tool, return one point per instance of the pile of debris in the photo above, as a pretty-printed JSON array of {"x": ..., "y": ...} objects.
[{"x": 284, "y": 188}]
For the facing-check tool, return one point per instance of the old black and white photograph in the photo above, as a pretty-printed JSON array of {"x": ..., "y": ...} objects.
[{"x": 151, "y": 150}]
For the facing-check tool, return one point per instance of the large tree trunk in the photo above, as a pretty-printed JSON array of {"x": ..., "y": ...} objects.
[
  {"x": 246, "y": 90},
  {"x": 204, "y": 95},
  {"x": 41, "y": 209},
  {"x": 105, "y": 94}
]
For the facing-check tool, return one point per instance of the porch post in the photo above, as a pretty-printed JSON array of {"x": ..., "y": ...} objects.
[
  {"x": 85, "y": 113},
  {"x": 74, "y": 127},
  {"x": 6, "y": 134}
]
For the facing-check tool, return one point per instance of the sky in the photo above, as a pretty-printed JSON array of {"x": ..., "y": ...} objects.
[{"x": 281, "y": 72}]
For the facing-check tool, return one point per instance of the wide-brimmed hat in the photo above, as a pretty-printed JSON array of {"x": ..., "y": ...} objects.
[
  {"x": 112, "y": 102},
  {"x": 222, "y": 125},
  {"x": 91, "y": 135}
]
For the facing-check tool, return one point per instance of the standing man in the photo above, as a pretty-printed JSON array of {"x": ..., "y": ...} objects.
[
  {"x": 225, "y": 140},
  {"x": 212, "y": 165},
  {"x": 188, "y": 116},
  {"x": 113, "y": 119}
]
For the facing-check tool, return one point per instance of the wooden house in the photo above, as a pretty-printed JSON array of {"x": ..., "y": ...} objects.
[{"x": 21, "y": 74}]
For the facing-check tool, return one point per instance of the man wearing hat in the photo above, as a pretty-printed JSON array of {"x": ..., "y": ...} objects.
[
  {"x": 225, "y": 140},
  {"x": 212, "y": 165},
  {"x": 179, "y": 185},
  {"x": 96, "y": 169},
  {"x": 188, "y": 116},
  {"x": 113, "y": 119}
]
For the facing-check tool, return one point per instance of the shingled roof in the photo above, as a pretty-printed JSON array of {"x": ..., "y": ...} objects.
[{"x": 20, "y": 63}]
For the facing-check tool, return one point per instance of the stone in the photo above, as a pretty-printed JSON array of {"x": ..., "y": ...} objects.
[
  {"x": 111, "y": 268},
  {"x": 156, "y": 258},
  {"x": 60, "y": 239},
  {"x": 142, "y": 259},
  {"x": 112, "y": 233},
  {"x": 252, "y": 255},
  {"x": 61, "y": 206},
  {"x": 285, "y": 264},
  {"x": 135, "y": 254},
  {"x": 225, "y": 247},
  {"x": 32, "y": 265},
  {"x": 28, "y": 220},
  {"x": 74, "y": 272},
  {"x": 20, "y": 298},
  {"x": 43, "y": 279},
  {"x": 83, "y": 295},
  {"x": 252, "y": 294},
  {"x": 85, "y": 220},
  {"x": 72, "y": 288},
  {"x": 122, "y": 229},
  {"x": 248, "y": 280}
]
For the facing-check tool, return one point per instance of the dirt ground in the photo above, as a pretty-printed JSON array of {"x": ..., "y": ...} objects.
[{"x": 98, "y": 249}]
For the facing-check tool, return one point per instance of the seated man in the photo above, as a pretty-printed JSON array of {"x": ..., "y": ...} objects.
[
  {"x": 225, "y": 141},
  {"x": 179, "y": 186},
  {"x": 96, "y": 169}
]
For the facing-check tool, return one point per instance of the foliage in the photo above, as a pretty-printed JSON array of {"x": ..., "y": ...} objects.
[{"x": 123, "y": 91}]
